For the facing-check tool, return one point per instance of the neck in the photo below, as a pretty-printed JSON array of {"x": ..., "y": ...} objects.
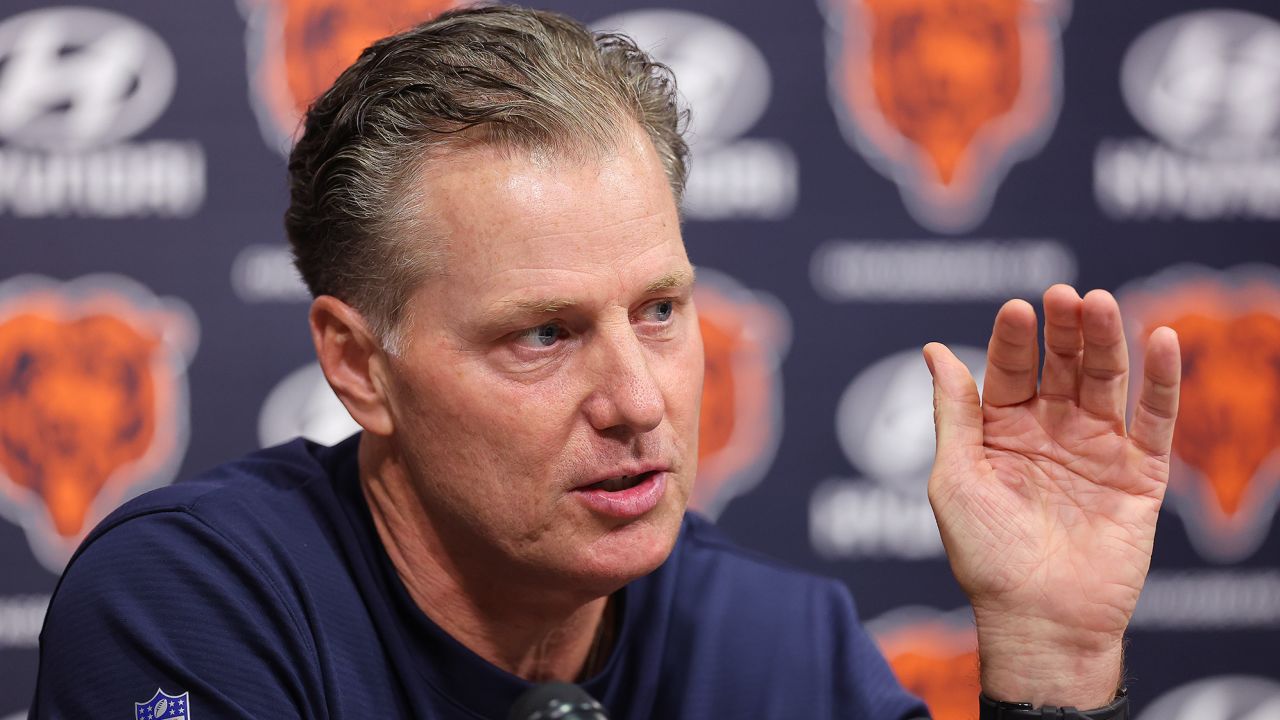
[{"x": 535, "y": 634}]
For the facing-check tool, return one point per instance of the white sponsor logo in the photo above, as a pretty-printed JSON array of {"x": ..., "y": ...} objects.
[
  {"x": 21, "y": 617},
  {"x": 74, "y": 84},
  {"x": 884, "y": 423},
  {"x": 78, "y": 77},
  {"x": 1209, "y": 600},
  {"x": 1223, "y": 697},
  {"x": 932, "y": 270},
  {"x": 265, "y": 273},
  {"x": 1206, "y": 85},
  {"x": 303, "y": 405},
  {"x": 724, "y": 81}
]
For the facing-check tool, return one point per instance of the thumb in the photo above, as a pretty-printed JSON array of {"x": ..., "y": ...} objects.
[{"x": 957, "y": 408}]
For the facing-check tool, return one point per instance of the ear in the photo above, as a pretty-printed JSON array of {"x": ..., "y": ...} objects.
[{"x": 353, "y": 362}]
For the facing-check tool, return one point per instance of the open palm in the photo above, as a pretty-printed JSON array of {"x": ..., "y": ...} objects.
[{"x": 1047, "y": 505}]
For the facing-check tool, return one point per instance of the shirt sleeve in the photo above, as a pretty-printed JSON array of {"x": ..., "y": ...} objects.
[{"x": 164, "y": 603}]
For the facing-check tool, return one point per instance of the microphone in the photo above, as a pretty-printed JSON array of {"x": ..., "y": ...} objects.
[{"x": 557, "y": 701}]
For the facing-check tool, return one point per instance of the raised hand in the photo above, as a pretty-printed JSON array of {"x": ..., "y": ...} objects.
[{"x": 1046, "y": 504}]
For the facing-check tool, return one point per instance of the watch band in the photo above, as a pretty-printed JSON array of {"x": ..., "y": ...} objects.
[{"x": 989, "y": 709}]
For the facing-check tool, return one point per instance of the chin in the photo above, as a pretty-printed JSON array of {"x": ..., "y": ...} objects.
[{"x": 628, "y": 552}]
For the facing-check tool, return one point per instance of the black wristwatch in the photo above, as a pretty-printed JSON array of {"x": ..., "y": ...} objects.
[{"x": 989, "y": 709}]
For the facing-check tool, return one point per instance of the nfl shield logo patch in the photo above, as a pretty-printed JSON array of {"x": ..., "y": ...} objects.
[{"x": 163, "y": 707}]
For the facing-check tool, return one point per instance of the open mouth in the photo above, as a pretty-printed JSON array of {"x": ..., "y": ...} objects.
[
  {"x": 618, "y": 484},
  {"x": 625, "y": 497}
]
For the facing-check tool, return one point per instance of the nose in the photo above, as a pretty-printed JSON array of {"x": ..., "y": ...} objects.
[{"x": 626, "y": 394}]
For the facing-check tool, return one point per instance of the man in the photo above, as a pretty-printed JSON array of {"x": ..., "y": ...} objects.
[{"x": 486, "y": 208}]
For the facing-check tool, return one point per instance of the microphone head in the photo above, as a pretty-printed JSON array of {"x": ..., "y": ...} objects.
[{"x": 557, "y": 701}]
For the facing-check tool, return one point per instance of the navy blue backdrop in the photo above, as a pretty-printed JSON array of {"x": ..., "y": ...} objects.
[{"x": 867, "y": 175}]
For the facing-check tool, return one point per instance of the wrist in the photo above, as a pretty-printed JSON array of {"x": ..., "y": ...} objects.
[{"x": 1042, "y": 668}]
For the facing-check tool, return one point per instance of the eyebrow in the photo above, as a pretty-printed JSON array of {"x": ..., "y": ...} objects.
[
  {"x": 676, "y": 279},
  {"x": 551, "y": 305}
]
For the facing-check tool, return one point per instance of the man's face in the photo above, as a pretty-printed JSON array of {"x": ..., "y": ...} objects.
[{"x": 547, "y": 399}]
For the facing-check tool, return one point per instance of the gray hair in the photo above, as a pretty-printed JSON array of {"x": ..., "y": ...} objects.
[{"x": 503, "y": 76}]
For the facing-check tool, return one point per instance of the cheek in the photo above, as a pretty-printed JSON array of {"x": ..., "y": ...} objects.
[
  {"x": 686, "y": 369},
  {"x": 463, "y": 399},
  {"x": 479, "y": 436}
]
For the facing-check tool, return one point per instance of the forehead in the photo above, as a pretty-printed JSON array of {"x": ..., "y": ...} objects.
[{"x": 517, "y": 220}]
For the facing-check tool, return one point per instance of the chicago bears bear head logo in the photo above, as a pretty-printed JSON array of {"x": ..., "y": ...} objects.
[
  {"x": 93, "y": 402},
  {"x": 745, "y": 335},
  {"x": 298, "y": 47},
  {"x": 1225, "y": 476},
  {"x": 944, "y": 96},
  {"x": 935, "y": 657}
]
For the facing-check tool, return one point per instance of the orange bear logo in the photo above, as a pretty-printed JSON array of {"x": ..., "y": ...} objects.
[
  {"x": 1225, "y": 477},
  {"x": 935, "y": 657},
  {"x": 944, "y": 96},
  {"x": 92, "y": 402},
  {"x": 744, "y": 335},
  {"x": 297, "y": 48}
]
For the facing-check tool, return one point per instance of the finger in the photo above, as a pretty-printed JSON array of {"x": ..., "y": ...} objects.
[
  {"x": 1012, "y": 356},
  {"x": 957, "y": 412},
  {"x": 1104, "y": 367},
  {"x": 1063, "y": 343},
  {"x": 1152, "y": 429}
]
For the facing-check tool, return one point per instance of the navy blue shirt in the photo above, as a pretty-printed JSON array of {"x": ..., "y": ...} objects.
[{"x": 261, "y": 590}]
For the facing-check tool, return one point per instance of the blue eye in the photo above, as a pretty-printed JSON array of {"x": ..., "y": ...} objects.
[
  {"x": 543, "y": 335},
  {"x": 662, "y": 310}
]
